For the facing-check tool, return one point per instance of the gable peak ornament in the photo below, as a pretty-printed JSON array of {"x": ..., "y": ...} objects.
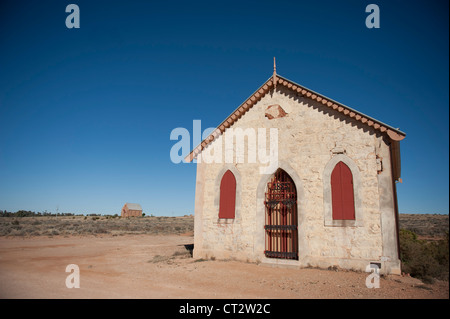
[{"x": 274, "y": 77}]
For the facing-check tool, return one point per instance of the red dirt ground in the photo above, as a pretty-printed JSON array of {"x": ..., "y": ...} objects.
[{"x": 150, "y": 266}]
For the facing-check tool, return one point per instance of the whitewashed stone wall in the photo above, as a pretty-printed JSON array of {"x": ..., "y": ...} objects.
[{"x": 308, "y": 138}]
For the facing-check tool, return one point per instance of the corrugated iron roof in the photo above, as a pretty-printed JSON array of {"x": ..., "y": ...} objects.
[{"x": 133, "y": 206}]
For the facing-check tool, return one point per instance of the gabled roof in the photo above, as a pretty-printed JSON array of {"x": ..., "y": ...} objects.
[
  {"x": 132, "y": 206},
  {"x": 393, "y": 133}
]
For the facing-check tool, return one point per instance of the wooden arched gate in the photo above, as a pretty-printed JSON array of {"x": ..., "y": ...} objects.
[{"x": 281, "y": 217}]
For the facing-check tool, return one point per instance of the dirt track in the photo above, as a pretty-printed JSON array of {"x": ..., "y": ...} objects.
[{"x": 149, "y": 266}]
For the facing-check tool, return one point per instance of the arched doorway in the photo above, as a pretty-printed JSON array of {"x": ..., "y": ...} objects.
[{"x": 281, "y": 220}]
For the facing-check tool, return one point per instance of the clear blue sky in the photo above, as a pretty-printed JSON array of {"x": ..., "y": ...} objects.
[{"x": 86, "y": 114}]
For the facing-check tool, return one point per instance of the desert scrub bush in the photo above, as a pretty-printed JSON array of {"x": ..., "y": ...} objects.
[
  {"x": 101, "y": 230},
  {"x": 182, "y": 254},
  {"x": 159, "y": 258},
  {"x": 4, "y": 231},
  {"x": 424, "y": 259}
]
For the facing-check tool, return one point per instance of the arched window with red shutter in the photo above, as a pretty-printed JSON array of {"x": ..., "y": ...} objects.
[
  {"x": 227, "y": 204},
  {"x": 342, "y": 193}
]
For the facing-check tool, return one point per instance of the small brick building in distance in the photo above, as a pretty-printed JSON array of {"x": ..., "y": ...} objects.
[{"x": 131, "y": 210}]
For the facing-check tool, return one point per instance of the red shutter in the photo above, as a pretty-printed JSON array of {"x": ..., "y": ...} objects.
[
  {"x": 227, "y": 195},
  {"x": 342, "y": 192}
]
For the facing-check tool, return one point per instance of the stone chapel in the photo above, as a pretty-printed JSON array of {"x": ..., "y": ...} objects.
[{"x": 329, "y": 199}]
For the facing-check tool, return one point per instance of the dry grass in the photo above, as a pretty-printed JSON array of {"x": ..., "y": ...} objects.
[
  {"x": 426, "y": 226},
  {"x": 94, "y": 225}
]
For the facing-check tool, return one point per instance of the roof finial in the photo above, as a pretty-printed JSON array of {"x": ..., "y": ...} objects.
[{"x": 274, "y": 78}]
